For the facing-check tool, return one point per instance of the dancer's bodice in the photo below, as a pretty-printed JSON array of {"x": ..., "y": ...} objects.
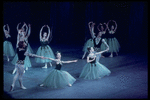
[
  {"x": 91, "y": 58},
  {"x": 44, "y": 43},
  {"x": 58, "y": 66},
  {"x": 97, "y": 45}
]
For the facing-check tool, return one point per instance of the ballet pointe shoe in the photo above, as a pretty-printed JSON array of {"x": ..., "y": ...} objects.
[
  {"x": 45, "y": 66},
  {"x": 22, "y": 87},
  {"x": 14, "y": 71},
  {"x": 26, "y": 68},
  {"x": 50, "y": 64},
  {"x": 11, "y": 88},
  {"x": 69, "y": 85},
  {"x": 111, "y": 55},
  {"x": 41, "y": 84},
  {"x": 8, "y": 59}
]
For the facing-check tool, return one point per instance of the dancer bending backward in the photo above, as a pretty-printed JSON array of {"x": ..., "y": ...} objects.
[
  {"x": 112, "y": 41},
  {"x": 7, "y": 45},
  {"x": 89, "y": 42},
  {"x": 58, "y": 78},
  {"x": 93, "y": 69},
  {"x": 98, "y": 40},
  {"x": 22, "y": 37},
  {"x": 45, "y": 50}
]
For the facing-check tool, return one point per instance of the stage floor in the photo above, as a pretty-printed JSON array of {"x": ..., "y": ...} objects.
[{"x": 128, "y": 78}]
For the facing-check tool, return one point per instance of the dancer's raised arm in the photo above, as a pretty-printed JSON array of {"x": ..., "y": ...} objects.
[
  {"x": 41, "y": 32},
  {"x": 25, "y": 25},
  {"x": 107, "y": 25},
  {"x": 115, "y": 25},
  {"x": 18, "y": 26},
  {"x": 92, "y": 31},
  {"x": 48, "y": 32},
  {"x": 29, "y": 31}
]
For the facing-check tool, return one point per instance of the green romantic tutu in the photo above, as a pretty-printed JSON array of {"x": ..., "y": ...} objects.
[
  {"x": 8, "y": 48},
  {"x": 45, "y": 51},
  {"x": 30, "y": 49},
  {"x": 27, "y": 62},
  {"x": 94, "y": 71},
  {"x": 58, "y": 79},
  {"x": 114, "y": 45},
  {"x": 89, "y": 43}
]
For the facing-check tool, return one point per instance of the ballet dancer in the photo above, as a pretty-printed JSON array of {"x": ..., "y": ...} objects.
[
  {"x": 7, "y": 45},
  {"x": 89, "y": 42},
  {"x": 22, "y": 36},
  {"x": 98, "y": 40},
  {"x": 103, "y": 31},
  {"x": 112, "y": 41},
  {"x": 45, "y": 50},
  {"x": 58, "y": 78},
  {"x": 93, "y": 69},
  {"x": 21, "y": 49}
]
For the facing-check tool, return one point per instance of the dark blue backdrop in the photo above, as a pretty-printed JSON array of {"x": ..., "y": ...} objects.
[{"x": 70, "y": 21}]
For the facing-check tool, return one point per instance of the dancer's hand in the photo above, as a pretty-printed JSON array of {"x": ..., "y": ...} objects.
[
  {"x": 42, "y": 57},
  {"x": 75, "y": 60}
]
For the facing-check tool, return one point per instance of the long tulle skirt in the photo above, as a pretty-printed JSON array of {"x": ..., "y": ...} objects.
[
  {"x": 45, "y": 51},
  {"x": 58, "y": 79},
  {"x": 30, "y": 49},
  {"x": 114, "y": 45},
  {"x": 94, "y": 71},
  {"x": 8, "y": 48},
  {"x": 27, "y": 62},
  {"x": 89, "y": 43}
]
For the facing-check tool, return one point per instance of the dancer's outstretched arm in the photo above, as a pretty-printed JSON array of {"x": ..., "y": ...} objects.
[{"x": 69, "y": 61}]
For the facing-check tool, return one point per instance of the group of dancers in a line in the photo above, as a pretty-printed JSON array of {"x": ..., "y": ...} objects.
[{"x": 58, "y": 78}]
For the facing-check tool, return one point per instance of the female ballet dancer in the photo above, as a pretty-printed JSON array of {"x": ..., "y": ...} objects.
[
  {"x": 98, "y": 40},
  {"x": 58, "y": 78},
  {"x": 45, "y": 50},
  {"x": 89, "y": 42},
  {"x": 103, "y": 31},
  {"x": 112, "y": 41},
  {"x": 7, "y": 45},
  {"x": 21, "y": 49},
  {"x": 22, "y": 37},
  {"x": 93, "y": 69}
]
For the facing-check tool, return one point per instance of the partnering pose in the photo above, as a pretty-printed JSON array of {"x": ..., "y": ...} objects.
[
  {"x": 7, "y": 45},
  {"x": 112, "y": 41},
  {"x": 98, "y": 40},
  {"x": 93, "y": 69},
  {"x": 21, "y": 49},
  {"x": 45, "y": 50},
  {"x": 58, "y": 78},
  {"x": 89, "y": 42},
  {"x": 22, "y": 37}
]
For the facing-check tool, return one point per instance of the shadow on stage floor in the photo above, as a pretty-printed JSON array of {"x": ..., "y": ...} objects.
[{"x": 128, "y": 78}]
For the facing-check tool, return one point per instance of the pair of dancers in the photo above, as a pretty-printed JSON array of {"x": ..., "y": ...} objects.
[
  {"x": 95, "y": 42},
  {"x": 58, "y": 78}
]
